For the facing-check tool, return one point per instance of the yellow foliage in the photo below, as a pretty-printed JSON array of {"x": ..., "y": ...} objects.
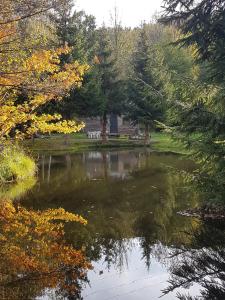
[
  {"x": 35, "y": 76},
  {"x": 32, "y": 248}
]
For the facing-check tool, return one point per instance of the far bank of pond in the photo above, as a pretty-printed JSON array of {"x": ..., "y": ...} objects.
[{"x": 79, "y": 142}]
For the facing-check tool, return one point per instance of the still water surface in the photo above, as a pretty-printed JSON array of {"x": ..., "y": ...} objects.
[{"x": 131, "y": 200}]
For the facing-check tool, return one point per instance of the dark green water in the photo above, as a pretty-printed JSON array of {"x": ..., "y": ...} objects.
[{"x": 134, "y": 237}]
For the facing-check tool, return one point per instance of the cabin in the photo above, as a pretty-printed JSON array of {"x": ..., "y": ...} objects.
[{"x": 116, "y": 125}]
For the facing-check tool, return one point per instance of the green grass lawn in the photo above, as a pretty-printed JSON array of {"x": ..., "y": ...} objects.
[
  {"x": 165, "y": 143},
  {"x": 79, "y": 141}
]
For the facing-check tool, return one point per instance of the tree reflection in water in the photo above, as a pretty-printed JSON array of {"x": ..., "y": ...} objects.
[
  {"x": 34, "y": 255},
  {"x": 131, "y": 200},
  {"x": 203, "y": 263}
]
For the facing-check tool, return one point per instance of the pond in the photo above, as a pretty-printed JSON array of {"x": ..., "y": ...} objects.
[{"x": 134, "y": 238}]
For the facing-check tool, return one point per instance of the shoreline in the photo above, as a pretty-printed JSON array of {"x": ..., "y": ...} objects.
[{"x": 160, "y": 142}]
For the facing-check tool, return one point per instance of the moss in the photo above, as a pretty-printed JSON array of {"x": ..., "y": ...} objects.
[{"x": 15, "y": 165}]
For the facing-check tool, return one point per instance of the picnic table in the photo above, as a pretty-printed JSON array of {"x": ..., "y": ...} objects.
[{"x": 94, "y": 135}]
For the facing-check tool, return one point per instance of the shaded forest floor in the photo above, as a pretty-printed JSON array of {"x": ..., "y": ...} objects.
[{"x": 78, "y": 142}]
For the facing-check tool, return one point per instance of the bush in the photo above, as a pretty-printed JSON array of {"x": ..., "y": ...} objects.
[{"x": 15, "y": 165}]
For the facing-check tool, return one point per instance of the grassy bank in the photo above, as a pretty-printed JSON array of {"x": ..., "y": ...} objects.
[
  {"x": 165, "y": 143},
  {"x": 79, "y": 142}
]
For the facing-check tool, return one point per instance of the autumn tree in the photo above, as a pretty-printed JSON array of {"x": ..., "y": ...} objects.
[
  {"x": 123, "y": 42},
  {"x": 32, "y": 72}
]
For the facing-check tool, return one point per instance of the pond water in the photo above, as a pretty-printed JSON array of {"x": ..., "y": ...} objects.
[{"x": 135, "y": 239}]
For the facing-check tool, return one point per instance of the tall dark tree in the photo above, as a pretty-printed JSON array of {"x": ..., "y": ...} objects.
[
  {"x": 61, "y": 18},
  {"x": 203, "y": 25},
  {"x": 144, "y": 97},
  {"x": 78, "y": 31},
  {"x": 85, "y": 101},
  {"x": 111, "y": 92}
]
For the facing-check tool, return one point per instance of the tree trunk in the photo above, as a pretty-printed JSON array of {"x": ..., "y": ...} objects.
[
  {"x": 147, "y": 135},
  {"x": 104, "y": 128}
]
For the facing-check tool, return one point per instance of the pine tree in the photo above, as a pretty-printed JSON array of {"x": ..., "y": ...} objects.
[
  {"x": 111, "y": 95},
  {"x": 202, "y": 118},
  {"x": 145, "y": 99},
  {"x": 203, "y": 25},
  {"x": 78, "y": 31}
]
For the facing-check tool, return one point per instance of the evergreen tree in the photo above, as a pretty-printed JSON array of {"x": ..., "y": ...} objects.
[
  {"x": 110, "y": 86},
  {"x": 144, "y": 96},
  {"x": 61, "y": 17},
  {"x": 87, "y": 101},
  {"x": 102, "y": 93},
  {"x": 202, "y": 118},
  {"x": 203, "y": 25},
  {"x": 78, "y": 31}
]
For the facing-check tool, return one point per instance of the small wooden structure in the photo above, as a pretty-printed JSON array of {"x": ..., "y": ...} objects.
[{"x": 116, "y": 126}]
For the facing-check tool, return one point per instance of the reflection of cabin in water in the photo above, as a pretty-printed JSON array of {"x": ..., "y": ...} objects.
[
  {"x": 116, "y": 125},
  {"x": 91, "y": 165},
  {"x": 111, "y": 164}
]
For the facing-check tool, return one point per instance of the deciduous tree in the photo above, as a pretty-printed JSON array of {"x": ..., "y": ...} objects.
[{"x": 35, "y": 73}]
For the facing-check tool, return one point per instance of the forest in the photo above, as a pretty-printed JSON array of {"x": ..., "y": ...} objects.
[{"x": 165, "y": 80}]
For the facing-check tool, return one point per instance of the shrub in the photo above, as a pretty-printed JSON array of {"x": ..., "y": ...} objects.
[{"x": 15, "y": 165}]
